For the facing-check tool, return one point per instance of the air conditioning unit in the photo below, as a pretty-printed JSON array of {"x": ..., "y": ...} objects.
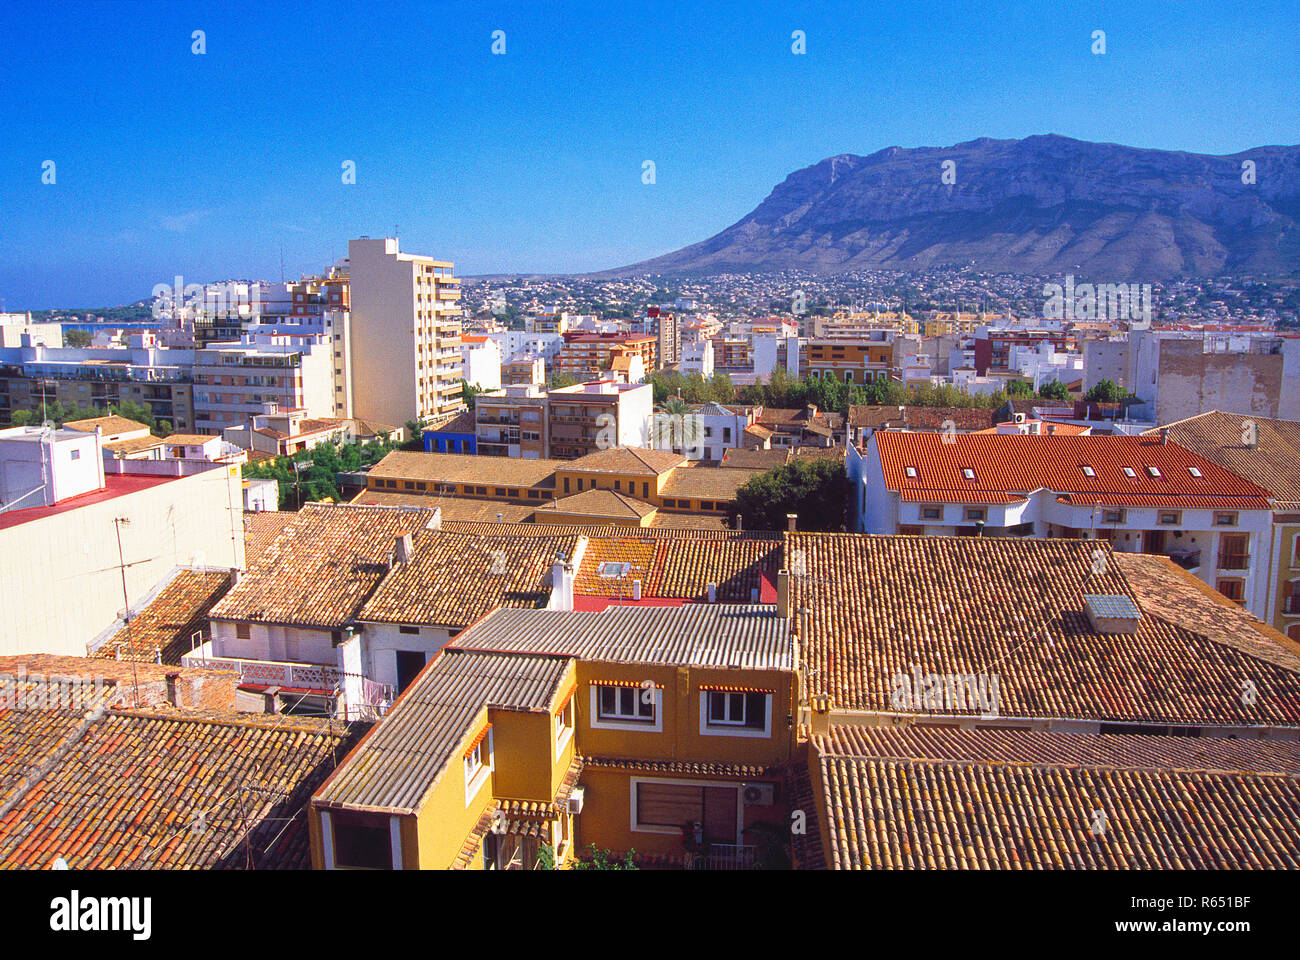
[
  {"x": 759, "y": 794},
  {"x": 1020, "y": 418},
  {"x": 576, "y": 798}
]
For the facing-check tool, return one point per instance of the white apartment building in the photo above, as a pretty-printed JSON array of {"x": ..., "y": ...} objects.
[
  {"x": 480, "y": 358},
  {"x": 406, "y": 325},
  {"x": 1141, "y": 494},
  {"x": 61, "y": 521},
  {"x": 264, "y": 373},
  {"x": 697, "y": 357}
]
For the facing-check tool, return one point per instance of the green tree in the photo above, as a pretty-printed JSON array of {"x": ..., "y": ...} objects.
[
  {"x": 1056, "y": 390},
  {"x": 816, "y": 489},
  {"x": 469, "y": 392},
  {"x": 1106, "y": 391},
  {"x": 1019, "y": 388},
  {"x": 77, "y": 338}
]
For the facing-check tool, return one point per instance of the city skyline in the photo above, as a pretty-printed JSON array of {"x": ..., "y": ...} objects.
[{"x": 169, "y": 161}]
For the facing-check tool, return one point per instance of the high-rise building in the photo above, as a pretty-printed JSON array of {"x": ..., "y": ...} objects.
[{"x": 405, "y": 332}]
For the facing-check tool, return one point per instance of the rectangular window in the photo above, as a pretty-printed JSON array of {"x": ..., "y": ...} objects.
[
  {"x": 242, "y": 631},
  {"x": 627, "y": 705},
  {"x": 974, "y": 513},
  {"x": 409, "y": 630},
  {"x": 1225, "y": 519},
  {"x": 1171, "y": 518},
  {"x": 1112, "y": 516},
  {"x": 1233, "y": 589},
  {"x": 932, "y": 513},
  {"x": 746, "y": 710}
]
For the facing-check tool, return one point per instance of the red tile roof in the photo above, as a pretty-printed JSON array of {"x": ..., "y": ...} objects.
[{"x": 1022, "y": 464}]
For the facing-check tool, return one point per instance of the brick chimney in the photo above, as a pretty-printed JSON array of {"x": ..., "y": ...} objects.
[{"x": 791, "y": 521}]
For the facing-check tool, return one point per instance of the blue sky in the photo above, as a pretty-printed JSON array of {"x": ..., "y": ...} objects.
[{"x": 170, "y": 163}]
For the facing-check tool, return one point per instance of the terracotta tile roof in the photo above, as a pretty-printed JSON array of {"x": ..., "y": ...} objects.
[
  {"x": 134, "y": 445},
  {"x": 111, "y": 425},
  {"x": 709, "y": 483},
  {"x": 926, "y": 798},
  {"x": 453, "y": 508},
  {"x": 29, "y": 738},
  {"x": 261, "y": 529},
  {"x": 1023, "y": 464},
  {"x": 144, "y": 791},
  {"x": 965, "y": 419},
  {"x": 637, "y": 552},
  {"x": 396, "y": 764},
  {"x": 628, "y": 461},
  {"x": 875, "y": 416},
  {"x": 805, "y": 847},
  {"x": 1013, "y": 609},
  {"x": 594, "y": 530},
  {"x": 696, "y": 768},
  {"x": 454, "y": 578},
  {"x": 599, "y": 503},
  {"x": 680, "y": 568},
  {"x": 462, "y": 469},
  {"x": 322, "y": 567},
  {"x": 1273, "y": 463},
  {"x": 161, "y": 632},
  {"x": 466, "y": 422},
  {"x": 672, "y": 520},
  {"x": 755, "y": 459}
]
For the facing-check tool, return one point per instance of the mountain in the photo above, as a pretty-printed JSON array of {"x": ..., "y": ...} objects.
[{"x": 1041, "y": 205}]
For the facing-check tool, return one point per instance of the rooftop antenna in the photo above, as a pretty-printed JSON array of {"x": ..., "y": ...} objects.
[{"x": 282, "y": 261}]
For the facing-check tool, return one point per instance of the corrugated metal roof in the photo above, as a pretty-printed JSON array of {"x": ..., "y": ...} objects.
[
  {"x": 698, "y": 634},
  {"x": 403, "y": 757}
]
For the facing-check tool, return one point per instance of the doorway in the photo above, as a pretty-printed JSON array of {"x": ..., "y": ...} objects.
[{"x": 409, "y": 663}]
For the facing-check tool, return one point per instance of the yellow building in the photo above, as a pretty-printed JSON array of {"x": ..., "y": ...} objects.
[{"x": 541, "y": 733}]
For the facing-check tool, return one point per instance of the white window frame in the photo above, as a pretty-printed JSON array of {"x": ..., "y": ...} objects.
[
  {"x": 564, "y": 732},
  {"x": 729, "y": 728},
  {"x": 597, "y": 722},
  {"x": 474, "y": 780},
  {"x": 676, "y": 831}
]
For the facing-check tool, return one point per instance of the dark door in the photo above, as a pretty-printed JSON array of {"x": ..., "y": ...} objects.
[
  {"x": 719, "y": 814},
  {"x": 1153, "y": 541},
  {"x": 409, "y": 663}
]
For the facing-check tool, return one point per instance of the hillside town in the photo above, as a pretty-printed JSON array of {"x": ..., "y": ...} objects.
[{"x": 732, "y": 573}]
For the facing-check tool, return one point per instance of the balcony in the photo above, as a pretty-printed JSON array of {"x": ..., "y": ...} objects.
[
  {"x": 1291, "y": 605},
  {"x": 1234, "y": 561},
  {"x": 1187, "y": 559},
  {"x": 272, "y": 673}
]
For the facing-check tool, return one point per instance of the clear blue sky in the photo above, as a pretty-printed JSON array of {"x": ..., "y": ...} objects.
[{"x": 168, "y": 163}]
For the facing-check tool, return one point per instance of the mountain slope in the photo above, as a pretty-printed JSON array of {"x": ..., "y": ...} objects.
[{"x": 1045, "y": 205}]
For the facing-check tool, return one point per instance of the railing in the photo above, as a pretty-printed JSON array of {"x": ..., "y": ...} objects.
[
  {"x": 1188, "y": 561},
  {"x": 271, "y": 673},
  {"x": 1292, "y": 605},
  {"x": 723, "y": 856},
  {"x": 1234, "y": 561}
]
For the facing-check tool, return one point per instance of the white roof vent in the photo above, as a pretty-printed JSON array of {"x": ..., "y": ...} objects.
[{"x": 1112, "y": 613}]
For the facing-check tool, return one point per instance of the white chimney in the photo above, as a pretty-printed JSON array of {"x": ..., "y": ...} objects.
[
  {"x": 561, "y": 585},
  {"x": 713, "y": 593},
  {"x": 636, "y": 589},
  {"x": 435, "y": 521},
  {"x": 791, "y": 521},
  {"x": 403, "y": 548}
]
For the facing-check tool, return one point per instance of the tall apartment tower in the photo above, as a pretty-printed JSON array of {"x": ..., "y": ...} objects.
[{"x": 405, "y": 334}]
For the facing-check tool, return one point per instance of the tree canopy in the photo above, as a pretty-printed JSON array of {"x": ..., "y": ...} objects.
[{"x": 816, "y": 489}]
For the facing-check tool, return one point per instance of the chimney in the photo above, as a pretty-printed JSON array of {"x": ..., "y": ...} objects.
[
  {"x": 791, "y": 521},
  {"x": 403, "y": 548},
  {"x": 435, "y": 521},
  {"x": 561, "y": 585},
  {"x": 783, "y": 592},
  {"x": 1051, "y": 429},
  {"x": 174, "y": 695},
  {"x": 713, "y": 593},
  {"x": 821, "y": 716},
  {"x": 1164, "y": 435},
  {"x": 636, "y": 589}
]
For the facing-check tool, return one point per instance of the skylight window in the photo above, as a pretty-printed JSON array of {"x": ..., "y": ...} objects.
[
  {"x": 1088, "y": 471},
  {"x": 1154, "y": 471},
  {"x": 1128, "y": 472},
  {"x": 1194, "y": 471},
  {"x": 611, "y": 570},
  {"x": 968, "y": 473},
  {"x": 910, "y": 471}
]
